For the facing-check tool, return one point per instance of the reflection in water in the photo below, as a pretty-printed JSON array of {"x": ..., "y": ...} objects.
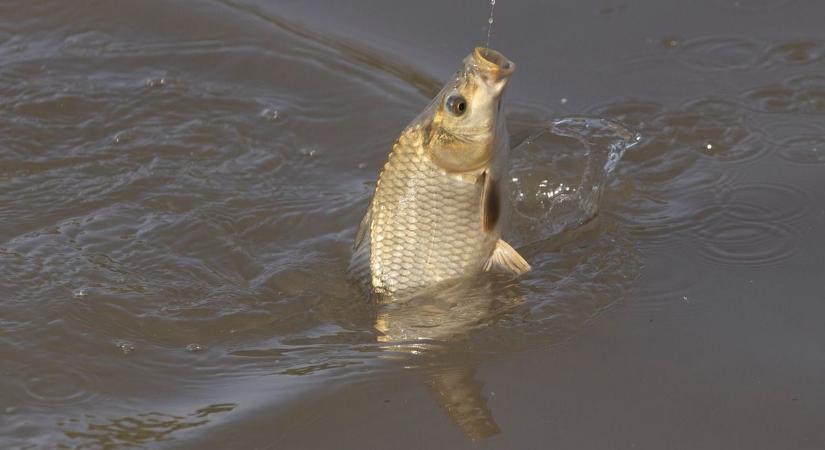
[
  {"x": 431, "y": 324},
  {"x": 428, "y": 326},
  {"x": 460, "y": 393},
  {"x": 137, "y": 430}
]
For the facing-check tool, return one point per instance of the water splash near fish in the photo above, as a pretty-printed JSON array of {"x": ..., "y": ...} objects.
[{"x": 559, "y": 172}]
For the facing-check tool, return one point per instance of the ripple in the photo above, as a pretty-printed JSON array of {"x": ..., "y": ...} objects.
[
  {"x": 58, "y": 387},
  {"x": 751, "y": 224},
  {"x": 136, "y": 430},
  {"x": 720, "y": 53},
  {"x": 576, "y": 275},
  {"x": 730, "y": 240},
  {"x": 796, "y": 52},
  {"x": 713, "y": 127},
  {"x": 804, "y": 149},
  {"x": 798, "y": 141},
  {"x": 671, "y": 170},
  {"x": 766, "y": 202},
  {"x": 803, "y": 94},
  {"x": 755, "y": 5}
]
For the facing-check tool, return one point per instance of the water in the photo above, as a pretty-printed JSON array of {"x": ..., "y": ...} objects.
[{"x": 180, "y": 187}]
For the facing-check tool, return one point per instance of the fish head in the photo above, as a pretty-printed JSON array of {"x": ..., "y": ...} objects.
[{"x": 467, "y": 115}]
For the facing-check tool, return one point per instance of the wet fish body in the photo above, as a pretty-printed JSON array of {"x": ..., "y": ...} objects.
[{"x": 439, "y": 208}]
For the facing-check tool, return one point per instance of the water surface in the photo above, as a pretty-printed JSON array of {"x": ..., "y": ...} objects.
[{"x": 180, "y": 186}]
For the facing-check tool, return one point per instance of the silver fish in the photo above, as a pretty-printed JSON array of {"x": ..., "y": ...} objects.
[{"x": 439, "y": 207}]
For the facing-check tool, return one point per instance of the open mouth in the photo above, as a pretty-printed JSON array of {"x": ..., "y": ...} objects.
[{"x": 494, "y": 58}]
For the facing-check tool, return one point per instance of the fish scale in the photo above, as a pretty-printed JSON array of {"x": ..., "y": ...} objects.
[{"x": 442, "y": 231}]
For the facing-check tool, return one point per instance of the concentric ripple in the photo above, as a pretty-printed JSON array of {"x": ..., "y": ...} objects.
[
  {"x": 752, "y": 224},
  {"x": 720, "y": 53},
  {"x": 730, "y": 240},
  {"x": 59, "y": 387}
]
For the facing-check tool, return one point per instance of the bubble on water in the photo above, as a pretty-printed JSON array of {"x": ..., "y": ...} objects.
[
  {"x": 80, "y": 293},
  {"x": 125, "y": 347},
  {"x": 194, "y": 348},
  {"x": 270, "y": 114}
]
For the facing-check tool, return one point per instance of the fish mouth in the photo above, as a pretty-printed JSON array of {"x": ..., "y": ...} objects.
[{"x": 493, "y": 63}]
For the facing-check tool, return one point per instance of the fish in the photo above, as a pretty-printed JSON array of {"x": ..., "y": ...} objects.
[{"x": 440, "y": 204}]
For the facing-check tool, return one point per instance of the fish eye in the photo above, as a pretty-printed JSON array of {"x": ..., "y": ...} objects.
[{"x": 456, "y": 104}]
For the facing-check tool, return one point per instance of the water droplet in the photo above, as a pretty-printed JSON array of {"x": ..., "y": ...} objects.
[
  {"x": 490, "y": 23},
  {"x": 309, "y": 151},
  {"x": 563, "y": 101},
  {"x": 194, "y": 348}
]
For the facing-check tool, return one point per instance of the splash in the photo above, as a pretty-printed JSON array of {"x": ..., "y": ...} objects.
[{"x": 560, "y": 171}]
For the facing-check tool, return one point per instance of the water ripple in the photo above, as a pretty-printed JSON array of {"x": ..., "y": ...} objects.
[
  {"x": 719, "y": 53},
  {"x": 799, "y": 94},
  {"x": 728, "y": 239}
]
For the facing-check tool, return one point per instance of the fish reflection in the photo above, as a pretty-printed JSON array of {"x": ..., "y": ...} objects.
[{"x": 431, "y": 324}]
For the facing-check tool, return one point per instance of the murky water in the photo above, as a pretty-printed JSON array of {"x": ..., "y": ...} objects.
[{"x": 180, "y": 186}]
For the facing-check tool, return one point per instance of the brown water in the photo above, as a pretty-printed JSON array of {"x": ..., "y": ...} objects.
[{"x": 180, "y": 184}]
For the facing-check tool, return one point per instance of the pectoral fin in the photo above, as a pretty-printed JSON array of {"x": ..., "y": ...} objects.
[
  {"x": 363, "y": 228},
  {"x": 506, "y": 259},
  {"x": 490, "y": 202},
  {"x": 359, "y": 266}
]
